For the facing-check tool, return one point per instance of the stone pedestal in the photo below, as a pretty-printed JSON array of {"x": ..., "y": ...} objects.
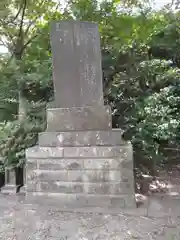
[
  {"x": 80, "y": 163},
  {"x": 81, "y": 169},
  {"x": 10, "y": 182}
]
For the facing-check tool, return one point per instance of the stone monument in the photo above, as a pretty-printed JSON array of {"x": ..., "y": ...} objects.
[
  {"x": 10, "y": 182},
  {"x": 80, "y": 162}
]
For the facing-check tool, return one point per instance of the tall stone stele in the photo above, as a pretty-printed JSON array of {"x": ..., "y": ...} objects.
[{"x": 80, "y": 162}]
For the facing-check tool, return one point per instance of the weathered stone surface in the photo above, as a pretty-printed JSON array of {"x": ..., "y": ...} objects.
[
  {"x": 76, "y": 57},
  {"x": 80, "y": 187},
  {"x": 81, "y": 138},
  {"x": 79, "y": 164},
  {"x": 44, "y": 152},
  {"x": 103, "y": 164},
  {"x": 82, "y": 118},
  {"x": 79, "y": 175},
  {"x": 124, "y": 151},
  {"x": 98, "y": 151},
  {"x": 56, "y": 164},
  {"x": 64, "y": 200},
  {"x": 10, "y": 182}
]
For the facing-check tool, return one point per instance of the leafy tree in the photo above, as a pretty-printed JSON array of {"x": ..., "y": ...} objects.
[{"x": 20, "y": 25}]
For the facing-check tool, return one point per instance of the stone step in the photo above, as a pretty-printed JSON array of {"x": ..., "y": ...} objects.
[
  {"x": 81, "y": 138},
  {"x": 9, "y": 189},
  {"x": 79, "y": 164},
  {"x": 63, "y": 200},
  {"x": 81, "y": 176},
  {"x": 124, "y": 151},
  {"x": 103, "y": 188}
]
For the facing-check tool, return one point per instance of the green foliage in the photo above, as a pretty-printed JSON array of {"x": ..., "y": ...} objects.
[
  {"x": 16, "y": 136},
  {"x": 149, "y": 100}
]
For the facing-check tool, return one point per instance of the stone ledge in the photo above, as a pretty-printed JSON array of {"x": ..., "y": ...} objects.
[
  {"x": 79, "y": 164},
  {"x": 9, "y": 189},
  {"x": 81, "y": 138},
  {"x": 81, "y": 152},
  {"x": 79, "y": 118},
  {"x": 82, "y": 200},
  {"x": 131, "y": 211},
  {"x": 103, "y": 188},
  {"x": 81, "y": 176}
]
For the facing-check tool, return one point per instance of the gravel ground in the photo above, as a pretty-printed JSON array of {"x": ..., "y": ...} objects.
[{"x": 20, "y": 221}]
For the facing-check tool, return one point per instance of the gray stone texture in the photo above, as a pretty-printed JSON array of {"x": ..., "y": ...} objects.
[
  {"x": 79, "y": 118},
  {"x": 98, "y": 175},
  {"x": 81, "y": 138},
  {"x": 79, "y": 164},
  {"x": 65, "y": 201},
  {"x": 10, "y": 182},
  {"x": 113, "y": 188},
  {"x": 80, "y": 175},
  {"x": 76, "y": 60},
  {"x": 124, "y": 151}
]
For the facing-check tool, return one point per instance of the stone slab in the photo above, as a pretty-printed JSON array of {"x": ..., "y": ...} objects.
[
  {"x": 98, "y": 151},
  {"x": 79, "y": 118},
  {"x": 10, "y": 182},
  {"x": 81, "y": 138},
  {"x": 81, "y": 152},
  {"x": 44, "y": 152},
  {"x": 76, "y": 58},
  {"x": 82, "y": 200},
  {"x": 79, "y": 164},
  {"x": 81, "y": 176},
  {"x": 9, "y": 189},
  {"x": 79, "y": 187}
]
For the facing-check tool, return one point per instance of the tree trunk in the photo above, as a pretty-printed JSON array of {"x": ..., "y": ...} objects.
[
  {"x": 22, "y": 108},
  {"x": 23, "y": 104}
]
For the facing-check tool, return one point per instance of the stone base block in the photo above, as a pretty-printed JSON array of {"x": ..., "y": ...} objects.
[
  {"x": 78, "y": 119},
  {"x": 81, "y": 138},
  {"x": 9, "y": 189},
  {"x": 61, "y": 165},
  {"x": 103, "y": 188},
  {"x": 81, "y": 176},
  {"x": 63, "y": 200},
  {"x": 94, "y": 176},
  {"x": 123, "y": 152}
]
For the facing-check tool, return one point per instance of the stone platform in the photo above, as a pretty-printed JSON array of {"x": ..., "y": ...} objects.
[
  {"x": 79, "y": 169},
  {"x": 79, "y": 118}
]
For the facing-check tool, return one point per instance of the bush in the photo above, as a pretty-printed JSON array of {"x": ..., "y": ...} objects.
[{"x": 17, "y": 136}]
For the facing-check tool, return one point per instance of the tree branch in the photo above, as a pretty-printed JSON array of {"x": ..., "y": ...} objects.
[
  {"x": 4, "y": 43},
  {"x": 28, "y": 27},
  {"x": 7, "y": 35},
  {"x": 22, "y": 18},
  {"x": 12, "y": 19},
  {"x": 29, "y": 41},
  {"x": 17, "y": 15},
  {"x": 177, "y": 4},
  {"x": 32, "y": 22}
]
